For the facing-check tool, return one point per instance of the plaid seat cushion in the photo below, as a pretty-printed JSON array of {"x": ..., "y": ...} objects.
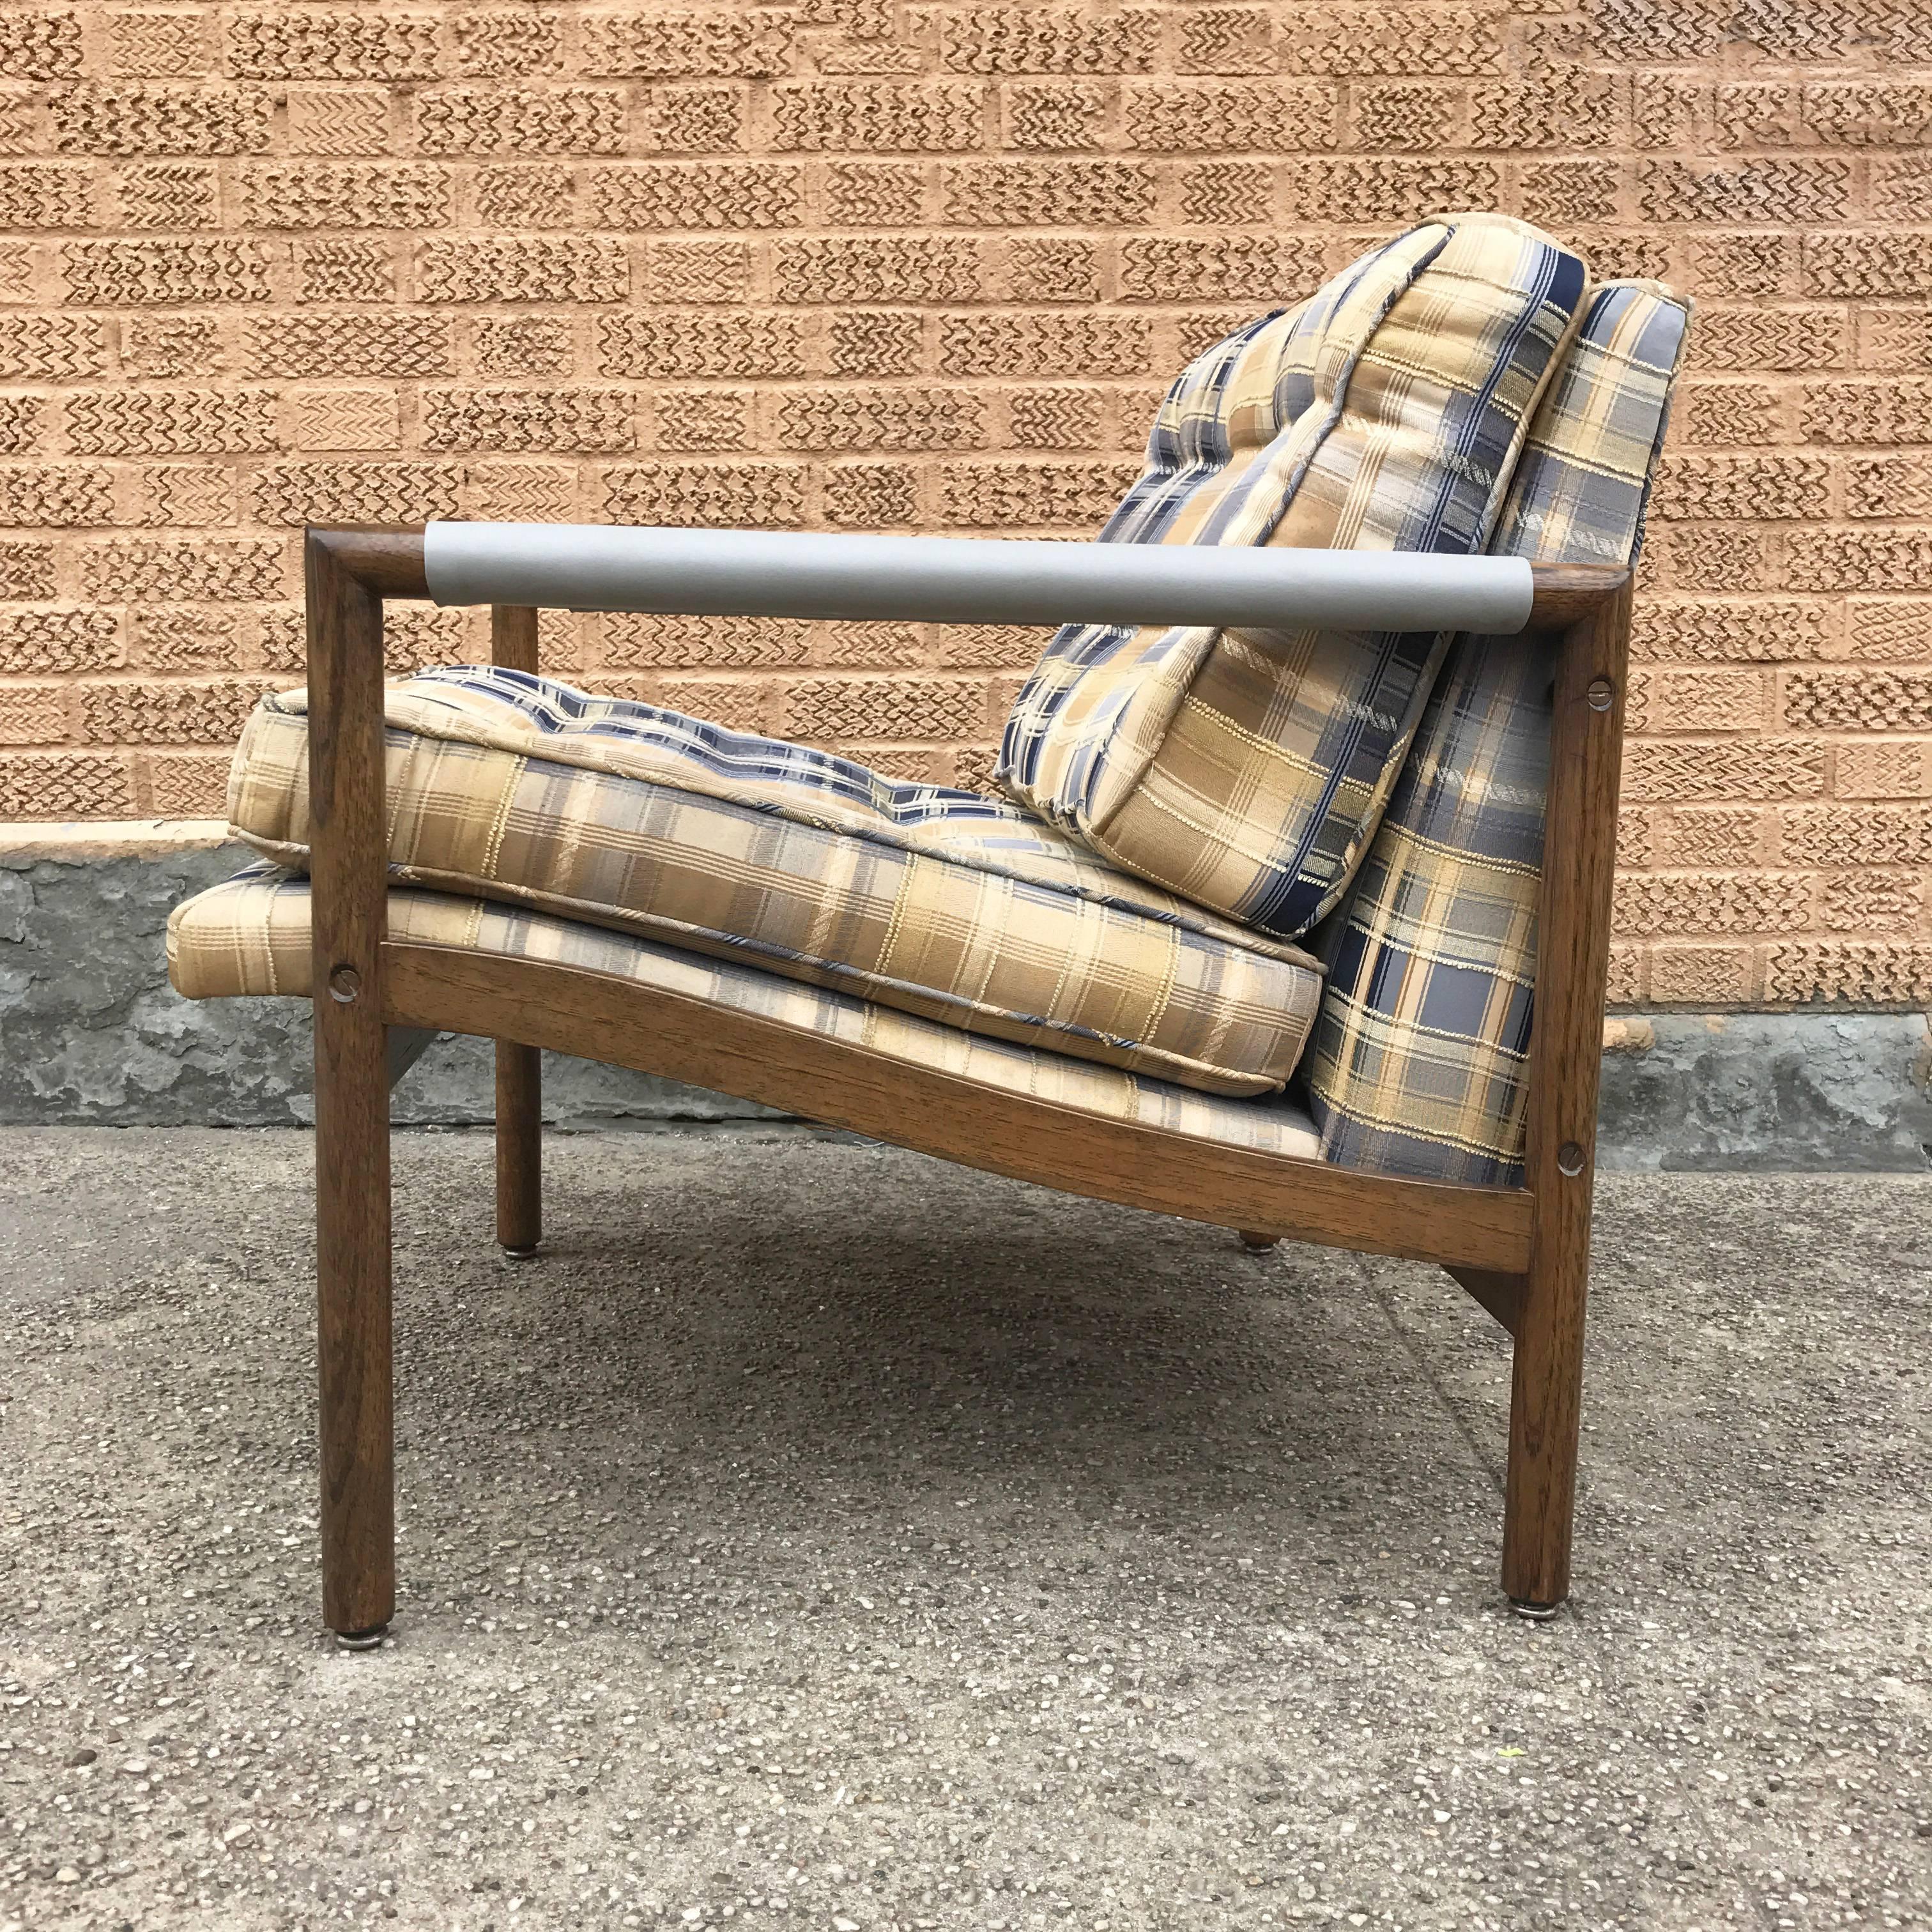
[
  {"x": 1245, "y": 769},
  {"x": 1420, "y": 1052},
  {"x": 957, "y": 908},
  {"x": 251, "y": 935}
]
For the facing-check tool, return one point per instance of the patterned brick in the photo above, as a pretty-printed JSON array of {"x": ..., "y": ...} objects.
[
  {"x": 1660, "y": 771},
  {"x": 520, "y": 493},
  {"x": 348, "y": 269},
  {"x": 1697, "y": 701},
  {"x": 1047, "y": 40},
  {"x": 149, "y": 45},
  {"x": 522, "y": 120},
  {"x": 1884, "y": 630},
  {"x": 872, "y": 496},
  {"x": 338, "y": 120},
  {"x": 398, "y": 347},
  {"x": 1864, "y": 700},
  {"x": 1880, "y": 262},
  {"x": 167, "y": 194},
  {"x": 184, "y": 495},
  {"x": 354, "y": 493},
  {"x": 1717, "y": 835},
  {"x": 190, "y": 638},
  {"x": 693, "y": 120},
  {"x": 1069, "y": 194},
  {"x": 873, "y": 194},
  {"x": 703, "y": 422},
  {"x": 1387, "y": 190},
  {"x": 1895, "y": 486},
  {"x": 1753, "y": 487},
  {"x": 1720, "y": 412},
  {"x": 1045, "y": 345},
  {"x": 1230, "y": 117},
  {"x": 39, "y": 45},
  {"x": 187, "y": 571},
  {"x": 726, "y": 494},
  {"x": 1053, "y": 268},
  {"x": 26, "y": 570},
  {"x": 542, "y": 195},
  {"x": 35, "y": 643},
  {"x": 1700, "y": 975},
  {"x": 880, "y": 117},
  {"x": 1226, "y": 193},
  {"x": 50, "y": 785},
  {"x": 150, "y": 712},
  {"x": 686, "y": 343},
  {"x": 844, "y": 269},
  {"x": 1788, "y": 192},
  {"x": 494, "y": 268},
  {"x": 306, "y": 44},
  {"x": 160, "y": 120},
  {"x": 1882, "y": 768},
  {"x": 1860, "y": 560},
  {"x": 1737, "y": 337},
  {"x": 59, "y": 496},
  {"x": 51, "y": 348},
  {"x": 1865, "y": 411},
  {"x": 1665, "y": 902},
  {"x": 1263, "y": 268},
  {"x": 1874, "y": 902},
  {"x": 999, "y": 495},
  {"x": 871, "y": 417},
  {"x": 508, "y": 420},
  {"x": 697, "y": 194},
  {"x": 495, "y": 44},
  {"x": 523, "y": 345},
  {"x": 108, "y": 274},
  {"x": 833, "y": 708},
  {"x": 22, "y": 423},
  {"x": 1054, "y": 418},
  {"x": 1566, "y": 107},
  {"x": 127, "y": 421},
  {"x": 741, "y": 42},
  {"x": 1064, "y": 114},
  {"x": 695, "y": 272},
  {"x": 1714, "y": 630},
  {"x": 1396, "y": 39},
  {"x": 46, "y": 194},
  {"x": 34, "y": 714},
  {"x": 1865, "y": 975},
  {"x": 343, "y": 194},
  {"x": 1856, "y": 835},
  {"x": 341, "y": 418}
]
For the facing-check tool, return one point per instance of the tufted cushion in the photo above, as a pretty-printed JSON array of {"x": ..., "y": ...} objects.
[
  {"x": 944, "y": 903},
  {"x": 1417, "y": 1062},
  {"x": 251, "y": 935},
  {"x": 1244, "y": 770}
]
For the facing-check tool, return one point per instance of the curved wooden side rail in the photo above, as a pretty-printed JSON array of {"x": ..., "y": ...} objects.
[
  {"x": 1522, "y": 1254},
  {"x": 599, "y": 1016}
]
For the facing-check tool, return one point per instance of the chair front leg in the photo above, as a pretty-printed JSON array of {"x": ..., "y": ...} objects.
[
  {"x": 519, "y": 1149},
  {"x": 348, "y": 910}
]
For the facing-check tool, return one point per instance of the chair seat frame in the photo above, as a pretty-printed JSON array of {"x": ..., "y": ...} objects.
[{"x": 1522, "y": 1253}]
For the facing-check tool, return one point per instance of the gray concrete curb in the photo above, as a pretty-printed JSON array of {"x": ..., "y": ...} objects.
[{"x": 91, "y": 1034}]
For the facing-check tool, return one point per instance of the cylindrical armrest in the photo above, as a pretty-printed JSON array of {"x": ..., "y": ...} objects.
[{"x": 970, "y": 580}]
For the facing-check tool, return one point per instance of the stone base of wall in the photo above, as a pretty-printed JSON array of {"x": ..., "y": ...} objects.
[{"x": 91, "y": 1034}]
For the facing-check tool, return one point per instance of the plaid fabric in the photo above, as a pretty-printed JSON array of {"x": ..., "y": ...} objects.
[
  {"x": 251, "y": 935},
  {"x": 1245, "y": 769},
  {"x": 1418, "y": 1060},
  {"x": 945, "y": 904}
]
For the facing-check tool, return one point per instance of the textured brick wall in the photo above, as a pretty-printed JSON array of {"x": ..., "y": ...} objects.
[{"x": 851, "y": 263}]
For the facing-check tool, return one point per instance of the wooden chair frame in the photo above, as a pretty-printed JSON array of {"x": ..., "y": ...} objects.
[{"x": 1523, "y": 1253}]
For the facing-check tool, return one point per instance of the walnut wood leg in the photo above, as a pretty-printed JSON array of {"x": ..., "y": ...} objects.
[
  {"x": 519, "y": 1149},
  {"x": 1258, "y": 1243},
  {"x": 352, "y": 1105},
  {"x": 1566, "y": 1052}
]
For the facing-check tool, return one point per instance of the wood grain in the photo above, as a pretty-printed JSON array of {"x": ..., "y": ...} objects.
[
  {"x": 1565, "y": 1058},
  {"x": 600, "y": 1016},
  {"x": 513, "y": 645},
  {"x": 348, "y": 914}
]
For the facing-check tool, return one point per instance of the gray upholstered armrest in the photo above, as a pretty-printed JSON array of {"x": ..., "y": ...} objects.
[{"x": 758, "y": 573}]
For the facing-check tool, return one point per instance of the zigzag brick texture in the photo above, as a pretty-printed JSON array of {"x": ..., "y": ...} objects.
[{"x": 909, "y": 264}]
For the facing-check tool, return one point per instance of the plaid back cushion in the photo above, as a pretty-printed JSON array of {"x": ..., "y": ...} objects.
[
  {"x": 1417, "y": 1061},
  {"x": 1244, "y": 769}
]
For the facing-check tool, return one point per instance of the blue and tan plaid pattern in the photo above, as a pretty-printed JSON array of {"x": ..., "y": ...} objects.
[
  {"x": 1245, "y": 770},
  {"x": 251, "y": 936},
  {"x": 958, "y": 908},
  {"x": 1418, "y": 1060}
]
